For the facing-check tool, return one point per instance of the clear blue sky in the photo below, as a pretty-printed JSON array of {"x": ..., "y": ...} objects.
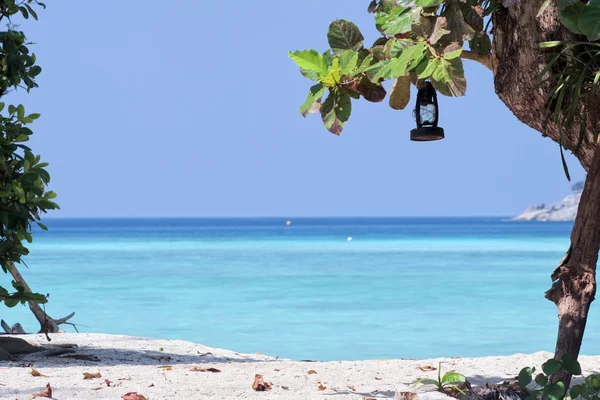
[{"x": 190, "y": 108}]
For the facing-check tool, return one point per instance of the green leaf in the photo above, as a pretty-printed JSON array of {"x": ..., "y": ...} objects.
[
  {"x": 312, "y": 62},
  {"x": 33, "y": 116},
  {"x": 314, "y": 95},
  {"x": 544, "y": 6},
  {"x": 453, "y": 377},
  {"x": 344, "y": 35},
  {"x": 427, "y": 67},
  {"x": 24, "y": 12},
  {"x": 453, "y": 51},
  {"x": 428, "y": 3},
  {"x": 569, "y": 16},
  {"x": 589, "y": 20},
  {"x": 333, "y": 76},
  {"x": 20, "y": 111},
  {"x": 551, "y": 366},
  {"x": 575, "y": 391},
  {"x": 541, "y": 379},
  {"x": 449, "y": 78},
  {"x": 570, "y": 364},
  {"x": 12, "y": 109},
  {"x": 336, "y": 111},
  {"x": 555, "y": 392},
  {"x": 525, "y": 377},
  {"x": 409, "y": 59},
  {"x": 400, "y": 94},
  {"x": 399, "y": 20},
  {"x": 10, "y": 303},
  {"x": 348, "y": 61}
]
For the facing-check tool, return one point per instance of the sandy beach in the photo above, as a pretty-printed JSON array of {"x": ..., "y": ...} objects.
[{"x": 170, "y": 369}]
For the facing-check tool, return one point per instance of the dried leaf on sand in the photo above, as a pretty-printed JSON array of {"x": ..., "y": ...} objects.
[
  {"x": 89, "y": 375},
  {"x": 133, "y": 396},
  {"x": 260, "y": 385},
  {"x": 200, "y": 369},
  {"x": 426, "y": 368},
  {"x": 44, "y": 393},
  {"x": 406, "y": 396},
  {"x": 36, "y": 373},
  {"x": 321, "y": 387},
  {"x": 312, "y": 372}
]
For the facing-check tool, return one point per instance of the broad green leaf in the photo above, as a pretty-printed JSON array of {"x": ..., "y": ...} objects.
[
  {"x": 20, "y": 111},
  {"x": 525, "y": 377},
  {"x": 409, "y": 59},
  {"x": 428, "y": 3},
  {"x": 399, "y": 20},
  {"x": 449, "y": 78},
  {"x": 569, "y": 16},
  {"x": 311, "y": 61},
  {"x": 570, "y": 364},
  {"x": 335, "y": 111},
  {"x": 344, "y": 35},
  {"x": 440, "y": 30},
  {"x": 541, "y": 379},
  {"x": 400, "y": 94},
  {"x": 10, "y": 303},
  {"x": 348, "y": 61},
  {"x": 453, "y": 377},
  {"x": 427, "y": 67},
  {"x": 382, "y": 69},
  {"x": 551, "y": 366},
  {"x": 2, "y": 105},
  {"x": 589, "y": 20},
  {"x": 555, "y": 392},
  {"x": 453, "y": 51},
  {"x": 334, "y": 75},
  {"x": 575, "y": 391},
  {"x": 314, "y": 95}
]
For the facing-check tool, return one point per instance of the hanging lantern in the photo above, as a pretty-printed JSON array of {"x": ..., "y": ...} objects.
[{"x": 426, "y": 114}]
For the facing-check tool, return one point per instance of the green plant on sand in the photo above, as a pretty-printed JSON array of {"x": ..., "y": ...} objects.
[{"x": 449, "y": 381}]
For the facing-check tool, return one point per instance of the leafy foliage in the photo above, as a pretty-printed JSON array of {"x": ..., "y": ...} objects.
[
  {"x": 421, "y": 40},
  {"x": 542, "y": 382},
  {"x": 23, "y": 176},
  {"x": 581, "y": 17},
  {"x": 450, "y": 380}
]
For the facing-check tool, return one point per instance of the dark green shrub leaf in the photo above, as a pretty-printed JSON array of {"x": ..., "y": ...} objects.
[
  {"x": 555, "y": 392},
  {"x": 344, "y": 35},
  {"x": 569, "y": 16},
  {"x": 570, "y": 364},
  {"x": 589, "y": 20},
  {"x": 575, "y": 391},
  {"x": 551, "y": 366},
  {"x": 525, "y": 377},
  {"x": 541, "y": 379}
]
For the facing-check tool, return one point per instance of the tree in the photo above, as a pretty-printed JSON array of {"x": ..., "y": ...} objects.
[
  {"x": 545, "y": 59},
  {"x": 23, "y": 176}
]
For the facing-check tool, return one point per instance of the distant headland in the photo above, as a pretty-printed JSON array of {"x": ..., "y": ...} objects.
[{"x": 565, "y": 210}]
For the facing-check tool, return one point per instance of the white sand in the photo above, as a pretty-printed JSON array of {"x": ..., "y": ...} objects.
[{"x": 138, "y": 361}]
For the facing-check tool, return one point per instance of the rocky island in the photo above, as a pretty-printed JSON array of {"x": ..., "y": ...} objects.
[{"x": 565, "y": 210}]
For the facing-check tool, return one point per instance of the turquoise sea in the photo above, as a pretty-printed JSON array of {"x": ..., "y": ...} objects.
[{"x": 401, "y": 288}]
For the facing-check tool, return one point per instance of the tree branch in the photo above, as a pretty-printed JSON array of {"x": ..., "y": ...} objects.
[{"x": 485, "y": 60}]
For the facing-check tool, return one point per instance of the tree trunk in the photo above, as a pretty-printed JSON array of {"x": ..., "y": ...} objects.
[
  {"x": 47, "y": 324},
  {"x": 574, "y": 286},
  {"x": 517, "y": 61}
]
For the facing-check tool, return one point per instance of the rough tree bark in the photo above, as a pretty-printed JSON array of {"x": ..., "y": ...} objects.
[{"x": 516, "y": 62}]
